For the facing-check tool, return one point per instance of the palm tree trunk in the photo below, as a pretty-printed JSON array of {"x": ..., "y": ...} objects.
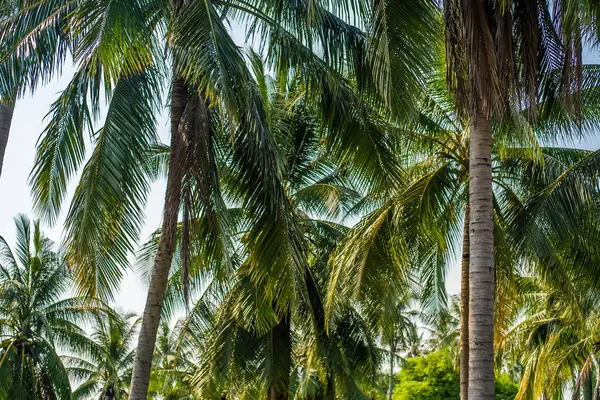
[
  {"x": 597, "y": 387},
  {"x": 318, "y": 311},
  {"x": 164, "y": 255},
  {"x": 6, "y": 116},
  {"x": 481, "y": 263},
  {"x": 464, "y": 311},
  {"x": 588, "y": 386},
  {"x": 391, "y": 375},
  {"x": 281, "y": 342}
]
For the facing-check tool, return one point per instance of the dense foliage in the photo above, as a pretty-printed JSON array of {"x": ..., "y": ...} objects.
[
  {"x": 434, "y": 377},
  {"x": 429, "y": 377},
  {"x": 320, "y": 184}
]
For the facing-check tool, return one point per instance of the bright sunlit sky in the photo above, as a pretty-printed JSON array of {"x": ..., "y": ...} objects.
[{"x": 15, "y": 196}]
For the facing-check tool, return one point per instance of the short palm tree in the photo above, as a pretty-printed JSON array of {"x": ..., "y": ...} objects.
[
  {"x": 555, "y": 342},
  {"x": 308, "y": 360},
  {"x": 36, "y": 318},
  {"x": 105, "y": 371},
  {"x": 397, "y": 329},
  {"x": 172, "y": 371}
]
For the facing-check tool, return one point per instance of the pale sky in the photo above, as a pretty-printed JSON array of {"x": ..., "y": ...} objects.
[{"x": 15, "y": 195}]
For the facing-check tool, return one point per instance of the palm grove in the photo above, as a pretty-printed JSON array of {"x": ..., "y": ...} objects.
[{"x": 321, "y": 181}]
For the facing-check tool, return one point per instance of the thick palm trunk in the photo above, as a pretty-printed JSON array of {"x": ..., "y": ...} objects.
[
  {"x": 6, "y": 116},
  {"x": 164, "y": 255},
  {"x": 481, "y": 265},
  {"x": 391, "y": 372},
  {"x": 464, "y": 311}
]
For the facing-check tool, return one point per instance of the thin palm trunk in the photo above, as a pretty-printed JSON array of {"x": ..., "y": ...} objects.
[
  {"x": 597, "y": 386},
  {"x": 6, "y": 116},
  {"x": 588, "y": 386},
  {"x": 391, "y": 372},
  {"x": 464, "y": 312},
  {"x": 481, "y": 264},
  {"x": 281, "y": 342},
  {"x": 319, "y": 318},
  {"x": 164, "y": 255}
]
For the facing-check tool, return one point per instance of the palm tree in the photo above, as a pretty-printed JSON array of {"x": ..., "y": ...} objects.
[
  {"x": 499, "y": 59},
  {"x": 119, "y": 50},
  {"x": 242, "y": 359},
  {"x": 552, "y": 324},
  {"x": 36, "y": 319},
  {"x": 172, "y": 371},
  {"x": 317, "y": 187},
  {"x": 397, "y": 333},
  {"x": 428, "y": 213},
  {"x": 105, "y": 372},
  {"x": 555, "y": 341}
]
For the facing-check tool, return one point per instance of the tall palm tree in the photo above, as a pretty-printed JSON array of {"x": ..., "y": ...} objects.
[
  {"x": 119, "y": 49},
  {"x": 428, "y": 213},
  {"x": 499, "y": 59},
  {"x": 317, "y": 187},
  {"x": 105, "y": 372},
  {"x": 36, "y": 318}
]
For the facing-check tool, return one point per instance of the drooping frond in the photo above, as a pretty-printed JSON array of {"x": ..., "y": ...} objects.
[{"x": 107, "y": 209}]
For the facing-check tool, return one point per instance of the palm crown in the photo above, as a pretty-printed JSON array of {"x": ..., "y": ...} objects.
[
  {"x": 105, "y": 372},
  {"x": 37, "y": 318}
]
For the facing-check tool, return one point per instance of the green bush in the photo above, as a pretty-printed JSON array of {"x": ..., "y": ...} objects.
[
  {"x": 432, "y": 377},
  {"x": 506, "y": 389}
]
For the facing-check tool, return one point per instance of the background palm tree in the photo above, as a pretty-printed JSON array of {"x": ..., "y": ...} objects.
[
  {"x": 317, "y": 187},
  {"x": 105, "y": 371},
  {"x": 36, "y": 317},
  {"x": 554, "y": 342},
  {"x": 172, "y": 371},
  {"x": 397, "y": 333}
]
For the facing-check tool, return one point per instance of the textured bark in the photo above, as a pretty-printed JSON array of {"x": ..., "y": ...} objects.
[
  {"x": 464, "y": 311},
  {"x": 164, "y": 255},
  {"x": 6, "y": 116},
  {"x": 481, "y": 265},
  {"x": 391, "y": 372}
]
